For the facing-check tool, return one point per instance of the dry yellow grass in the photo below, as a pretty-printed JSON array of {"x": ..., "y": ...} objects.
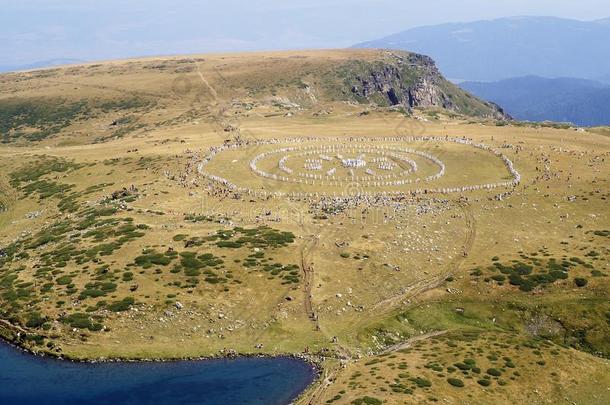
[{"x": 394, "y": 262}]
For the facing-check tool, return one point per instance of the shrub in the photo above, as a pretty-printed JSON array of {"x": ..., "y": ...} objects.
[
  {"x": 64, "y": 280},
  {"x": 494, "y": 372},
  {"x": 121, "y": 305},
  {"x": 229, "y": 244},
  {"x": 484, "y": 383},
  {"x": 35, "y": 320},
  {"x": 190, "y": 262},
  {"x": 149, "y": 259},
  {"x": 93, "y": 293},
  {"x": 421, "y": 382},
  {"x": 366, "y": 401},
  {"x": 456, "y": 382},
  {"x": 82, "y": 321},
  {"x": 191, "y": 272},
  {"x": 580, "y": 281}
]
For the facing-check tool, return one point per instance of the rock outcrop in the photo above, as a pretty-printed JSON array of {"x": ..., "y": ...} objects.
[{"x": 411, "y": 80}]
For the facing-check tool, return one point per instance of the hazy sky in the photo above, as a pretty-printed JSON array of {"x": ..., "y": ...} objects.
[{"x": 35, "y": 30}]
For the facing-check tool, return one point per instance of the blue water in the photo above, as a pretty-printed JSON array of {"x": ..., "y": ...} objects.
[{"x": 27, "y": 379}]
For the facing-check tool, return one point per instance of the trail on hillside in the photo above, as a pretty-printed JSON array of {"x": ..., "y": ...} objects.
[
  {"x": 314, "y": 396},
  {"x": 412, "y": 291},
  {"x": 409, "y": 342},
  {"x": 307, "y": 266},
  {"x": 390, "y": 304},
  {"x": 452, "y": 267}
]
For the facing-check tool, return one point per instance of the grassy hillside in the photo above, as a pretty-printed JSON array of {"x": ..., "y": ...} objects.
[
  {"x": 96, "y": 102},
  {"x": 118, "y": 239}
]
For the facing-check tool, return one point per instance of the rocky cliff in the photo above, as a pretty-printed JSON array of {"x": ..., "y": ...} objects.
[{"x": 410, "y": 80}]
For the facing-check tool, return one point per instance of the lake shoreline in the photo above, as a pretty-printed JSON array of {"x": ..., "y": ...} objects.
[
  {"x": 248, "y": 379},
  {"x": 314, "y": 361},
  {"x": 15, "y": 341}
]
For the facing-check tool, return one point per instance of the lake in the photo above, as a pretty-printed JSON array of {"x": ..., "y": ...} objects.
[{"x": 28, "y": 379}]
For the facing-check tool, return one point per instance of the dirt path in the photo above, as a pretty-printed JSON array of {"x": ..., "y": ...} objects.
[
  {"x": 412, "y": 291},
  {"x": 8, "y": 325},
  {"x": 409, "y": 342},
  {"x": 315, "y": 395},
  {"x": 390, "y": 304},
  {"x": 308, "y": 275},
  {"x": 431, "y": 283}
]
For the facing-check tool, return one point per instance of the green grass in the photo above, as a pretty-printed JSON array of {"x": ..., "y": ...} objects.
[
  {"x": 81, "y": 320},
  {"x": 528, "y": 276},
  {"x": 34, "y": 119},
  {"x": 37, "y": 118},
  {"x": 121, "y": 305}
]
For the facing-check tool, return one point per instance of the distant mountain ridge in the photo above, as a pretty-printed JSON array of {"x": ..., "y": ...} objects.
[
  {"x": 39, "y": 65},
  {"x": 581, "y": 102},
  {"x": 510, "y": 47}
]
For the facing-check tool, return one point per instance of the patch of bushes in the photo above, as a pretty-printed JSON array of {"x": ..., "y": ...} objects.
[
  {"x": 42, "y": 166},
  {"x": 197, "y": 218},
  {"x": 580, "y": 281},
  {"x": 522, "y": 275},
  {"x": 150, "y": 258},
  {"x": 81, "y": 320},
  {"x": 366, "y": 400},
  {"x": 64, "y": 280},
  {"x": 121, "y": 305},
  {"x": 35, "y": 320},
  {"x": 494, "y": 372},
  {"x": 456, "y": 382},
  {"x": 288, "y": 273},
  {"x": 97, "y": 289},
  {"x": 261, "y": 237},
  {"x": 421, "y": 382},
  {"x": 122, "y": 104},
  {"x": 47, "y": 116}
]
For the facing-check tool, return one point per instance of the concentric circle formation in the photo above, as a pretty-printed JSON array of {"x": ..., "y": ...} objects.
[
  {"x": 375, "y": 166},
  {"x": 348, "y": 166}
]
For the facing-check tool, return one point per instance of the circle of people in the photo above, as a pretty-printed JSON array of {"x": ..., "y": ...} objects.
[{"x": 322, "y": 153}]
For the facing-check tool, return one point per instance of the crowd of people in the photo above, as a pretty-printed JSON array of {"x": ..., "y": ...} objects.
[{"x": 337, "y": 144}]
